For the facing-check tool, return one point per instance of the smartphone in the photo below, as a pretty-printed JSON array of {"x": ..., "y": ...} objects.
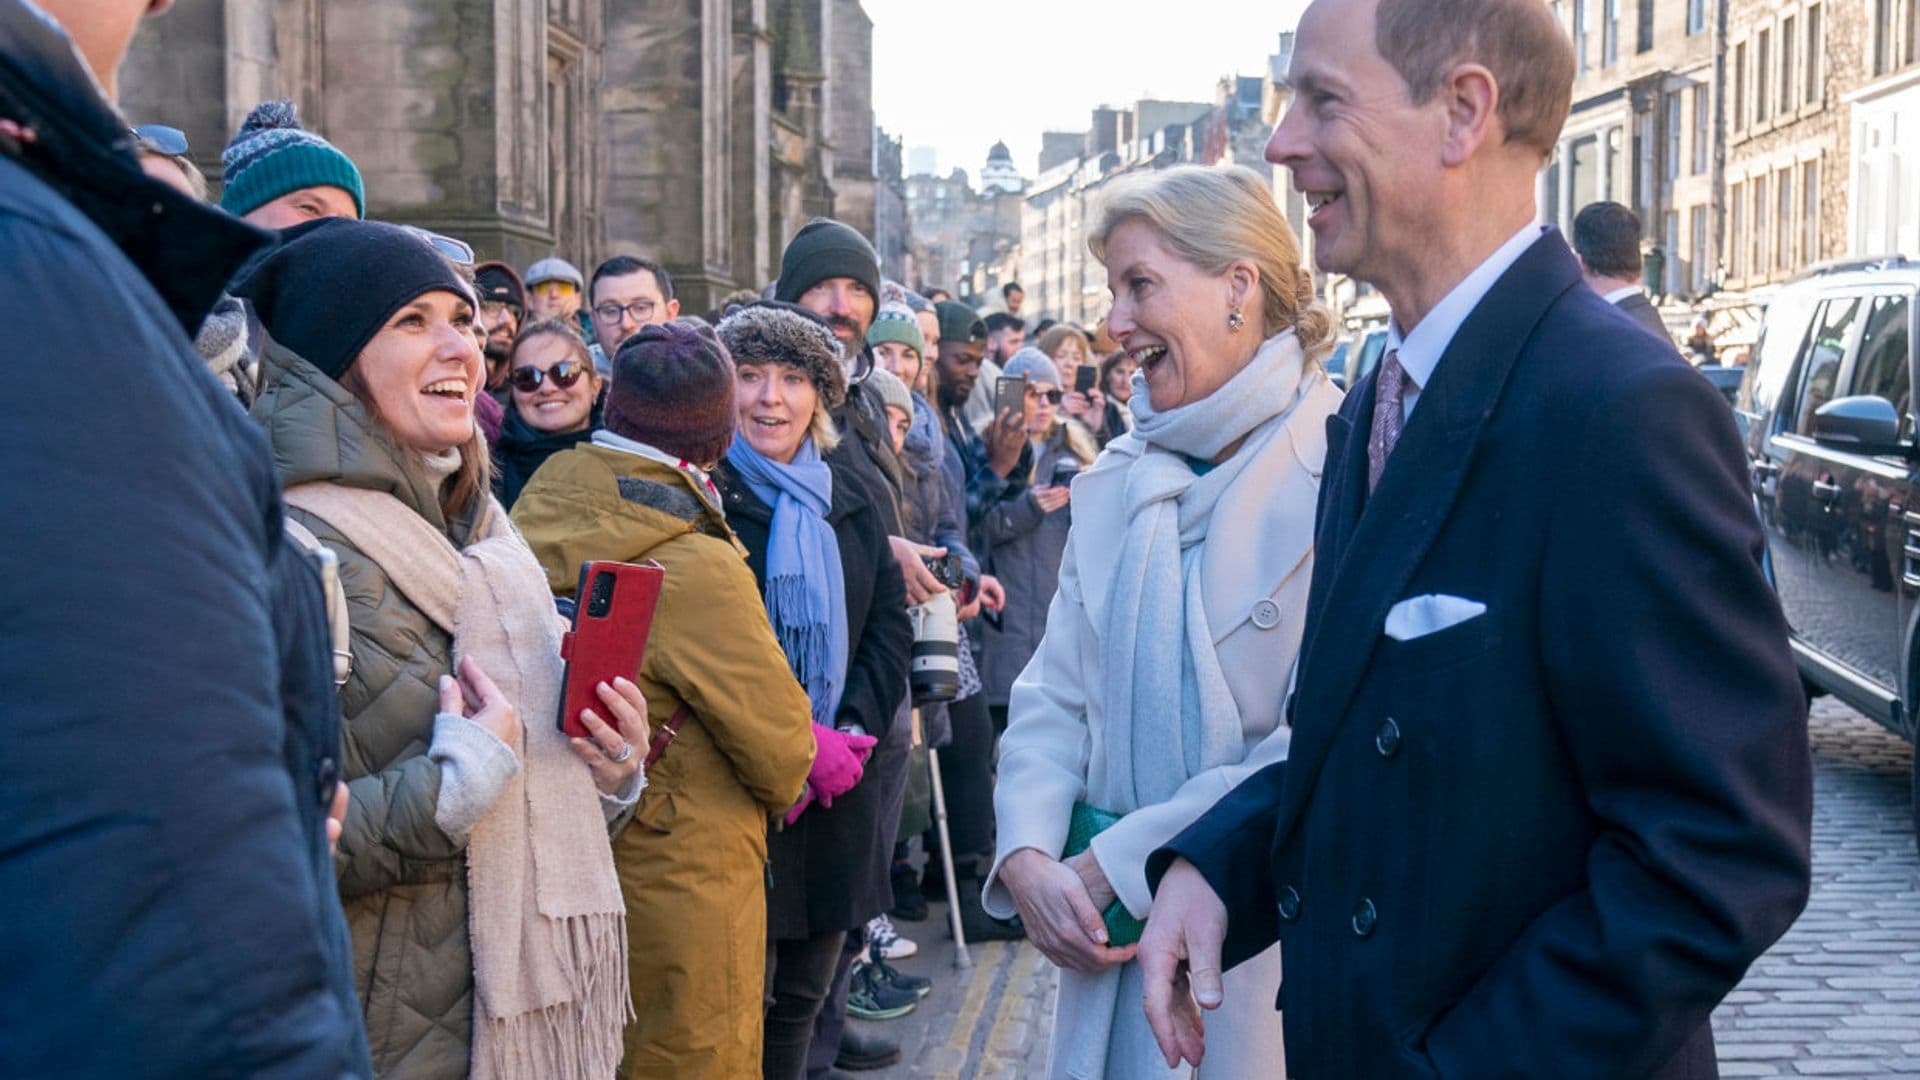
[
  {"x": 613, "y": 614},
  {"x": 1084, "y": 378},
  {"x": 1064, "y": 470},
  {"x": 1009, "y": 395}
]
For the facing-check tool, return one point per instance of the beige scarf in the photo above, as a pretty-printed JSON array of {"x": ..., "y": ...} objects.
[{"x": 546, "y": 918}]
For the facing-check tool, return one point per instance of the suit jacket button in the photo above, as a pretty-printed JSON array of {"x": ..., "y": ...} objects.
[
  {"x": 1387, "y": 739},
  {"x": 1289, "y": 904},
  {"x": 1266, "y": 614},
  {"x": 325, "y": 778},
  {"x": 1365, "y": 917}
]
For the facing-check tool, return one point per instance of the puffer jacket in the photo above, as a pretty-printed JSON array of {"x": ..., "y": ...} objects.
[
  {"x": 1028, "y": 544},
  {"x": 402, "y": 880},
  {"x": 693, "y": 861}
]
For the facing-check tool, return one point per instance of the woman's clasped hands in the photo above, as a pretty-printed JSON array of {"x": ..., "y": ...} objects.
[{"x": 1060, "y": 904}]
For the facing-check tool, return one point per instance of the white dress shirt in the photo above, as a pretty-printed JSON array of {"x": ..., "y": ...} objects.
[
  {"x": 1420, "y": 350},
  {"x": 1624, "y": 292}
]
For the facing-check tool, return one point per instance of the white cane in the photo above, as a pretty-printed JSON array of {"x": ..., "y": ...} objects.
[{"x": 961, "y": 959}]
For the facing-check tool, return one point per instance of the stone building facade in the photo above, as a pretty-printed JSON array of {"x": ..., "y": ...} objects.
[
  {"x": 964, "y": 240},
  {"x": 701, "y": 133},
  {"x": 1883, "y": 216}
]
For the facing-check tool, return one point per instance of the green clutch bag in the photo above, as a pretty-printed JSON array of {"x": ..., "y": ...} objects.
[{"x": 1087, "y": 822}]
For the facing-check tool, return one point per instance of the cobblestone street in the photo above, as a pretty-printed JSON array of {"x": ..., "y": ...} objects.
[{"x": 1838, "y": 996}]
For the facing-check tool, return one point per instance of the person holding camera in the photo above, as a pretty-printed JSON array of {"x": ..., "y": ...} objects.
[
  {"x": 834, "y": 594},
  {"x": 1182, "y": 599},
  {"x": 1028, "y": 537}
]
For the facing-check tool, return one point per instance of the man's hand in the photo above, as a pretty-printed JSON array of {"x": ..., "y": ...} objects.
[
  {"x": 993, "y": 594},
  {"x": 1059, "y": 915},
  {"x": 1180, "y": 962},
  {"x": 1005, "y": 439},
  {"x": 921, "y": 583}
]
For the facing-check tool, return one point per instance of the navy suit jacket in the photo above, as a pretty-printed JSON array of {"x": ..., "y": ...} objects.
[{"x": 1547, "y": 840}]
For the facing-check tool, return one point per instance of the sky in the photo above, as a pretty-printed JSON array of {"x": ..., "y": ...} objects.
[{"x": 957, "y": 77}]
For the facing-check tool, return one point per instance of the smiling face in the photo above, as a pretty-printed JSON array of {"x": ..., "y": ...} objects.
[
  {"x": 958, "y": 368},
  {"x": 776, "y": 404},
  {"x": 899, "y": 359},
  {"x": 501, "y": 321},
  {"x": 421, "y": 371},
  {"x": 551, "y": 407},
  {"x": 846, "y": 305},
  {"x": 307, "y": 204},
  {"x": 899, "y": 422},
  {"x": 1171, "y": 317},
  {"x": 1368, "y": 160}
]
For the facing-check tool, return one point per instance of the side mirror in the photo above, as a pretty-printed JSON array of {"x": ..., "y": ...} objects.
[{"x": 1861, "y": 425}]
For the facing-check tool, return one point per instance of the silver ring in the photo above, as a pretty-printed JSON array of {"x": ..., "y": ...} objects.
[{"x": 625, "y": 753}]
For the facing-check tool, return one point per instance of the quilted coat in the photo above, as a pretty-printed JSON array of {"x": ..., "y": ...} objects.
[
  {"x": 402, "y": 880},
  {"x": 692, "y": 862}
]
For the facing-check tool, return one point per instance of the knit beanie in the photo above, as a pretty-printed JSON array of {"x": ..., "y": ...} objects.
[
  {"x": 958, "y": 322},
  {"x": 272, "y": 155},
  {"x": 1032, "y": 365},
  {"x": 333, "y": 283},
  {"x": 893, "y": 392},
  {"x": 497, "y": 281},
  {"x": 772, "y": 332},
  {"x": 673, "y": 389},
  {"x": 826, "y": 249},
  {"x": 895, "y": 322}
]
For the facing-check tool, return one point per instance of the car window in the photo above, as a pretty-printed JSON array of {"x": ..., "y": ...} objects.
[
  {"x": 1882, "y": 369},
  {"x": 1337, "y": 361},
  {"x": 1820, "y": 369},
  {"x": 1781, "y": 333},
  {"x": 1370, "y": 350}
]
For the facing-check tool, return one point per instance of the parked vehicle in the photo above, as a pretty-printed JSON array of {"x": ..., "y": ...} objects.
[
  {"x": 1827, "y": 407},
  {"x": 1353, "y": 357}
]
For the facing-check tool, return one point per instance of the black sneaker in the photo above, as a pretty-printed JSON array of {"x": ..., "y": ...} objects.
[
  {"x": 917, "y": 985},
  {"x": 871, "y": 998},
  {"x": 860, "y": 1053},
  {"x": 980, "y": 926},
  {"x": 909, "y": 903}
]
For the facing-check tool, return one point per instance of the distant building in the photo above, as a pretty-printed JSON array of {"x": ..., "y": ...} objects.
[
  {"x": 1000, "y": 177},
  {"x": 1884, "y": 211},
  {"x": 702, "y": 134},
  {"x": 965, "y": 240}
]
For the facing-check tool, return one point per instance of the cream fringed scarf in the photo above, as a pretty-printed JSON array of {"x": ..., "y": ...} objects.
[{"x": 545, "y": 914}]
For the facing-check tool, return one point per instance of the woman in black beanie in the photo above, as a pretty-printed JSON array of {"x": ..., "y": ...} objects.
[{"x": 372, "y": 369}]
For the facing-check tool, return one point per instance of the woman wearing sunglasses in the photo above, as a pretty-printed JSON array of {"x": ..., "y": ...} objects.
[
  {"x": 1028, "y": 537},
  {"x": 555, "y": 403}
]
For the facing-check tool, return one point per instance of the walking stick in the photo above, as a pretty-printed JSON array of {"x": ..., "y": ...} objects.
[{"x": 961, "y": 958}]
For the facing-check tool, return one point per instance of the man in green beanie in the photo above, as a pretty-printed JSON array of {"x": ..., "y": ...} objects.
[{"x": 278, "y": 174}]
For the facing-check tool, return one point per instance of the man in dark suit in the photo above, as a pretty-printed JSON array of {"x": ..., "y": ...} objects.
[
  {"x": 1549, "y": 790},
  {"x": 1606, "y": 239}
]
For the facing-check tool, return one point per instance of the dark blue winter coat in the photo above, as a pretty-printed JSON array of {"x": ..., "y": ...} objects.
[{"x": 168, "y": 731}]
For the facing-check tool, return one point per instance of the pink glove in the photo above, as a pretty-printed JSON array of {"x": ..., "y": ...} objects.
[{"x": 839, "y": 760}]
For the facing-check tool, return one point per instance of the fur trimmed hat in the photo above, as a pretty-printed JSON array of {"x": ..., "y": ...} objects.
[
  {"x": 775, "y": 332},
  {"x": 673, "y": 389}
]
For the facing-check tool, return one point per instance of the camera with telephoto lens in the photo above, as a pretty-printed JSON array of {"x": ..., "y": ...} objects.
[{"x": 935, "y": 669}]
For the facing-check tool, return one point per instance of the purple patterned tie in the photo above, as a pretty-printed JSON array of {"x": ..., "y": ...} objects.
[{"x": 1389, "y": 416}]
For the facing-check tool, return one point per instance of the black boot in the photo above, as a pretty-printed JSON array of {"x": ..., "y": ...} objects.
[
  {"x": 909, "y": 902},
  {"x": 974, "y": 920},
  {"x": 860, "y": 1053}
]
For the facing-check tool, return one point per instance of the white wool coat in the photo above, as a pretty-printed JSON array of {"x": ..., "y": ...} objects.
[{"x": 1256, "y": 565}]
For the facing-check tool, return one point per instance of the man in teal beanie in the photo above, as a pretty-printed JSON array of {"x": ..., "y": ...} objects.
[{"x": 278, "y": 174}]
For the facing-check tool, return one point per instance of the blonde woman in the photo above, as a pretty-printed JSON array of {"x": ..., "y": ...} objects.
[{"x": 1182, "y": 596}]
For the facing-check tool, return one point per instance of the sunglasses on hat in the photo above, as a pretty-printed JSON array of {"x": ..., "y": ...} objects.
[
  {"x": 564, "y": 374},
  {"x": 454, "y": 251},
  {"x": 160, "y": 138}
]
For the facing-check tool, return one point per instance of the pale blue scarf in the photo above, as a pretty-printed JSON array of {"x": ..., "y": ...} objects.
[{"x": 806, "y": 585}]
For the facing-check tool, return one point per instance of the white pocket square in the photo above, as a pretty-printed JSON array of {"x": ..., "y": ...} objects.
[{"x": 1418, "y": 616}]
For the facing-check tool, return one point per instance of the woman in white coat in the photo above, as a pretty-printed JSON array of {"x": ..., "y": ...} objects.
[{"x": 1183, "y": 593}]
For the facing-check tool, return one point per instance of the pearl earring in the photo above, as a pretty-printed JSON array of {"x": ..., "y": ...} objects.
[{"x": 1235, "y": 320}]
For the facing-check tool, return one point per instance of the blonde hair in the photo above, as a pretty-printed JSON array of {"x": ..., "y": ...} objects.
[
  {"x": 1213, "y": 217},
  {"x": 1057, "y": 334}
]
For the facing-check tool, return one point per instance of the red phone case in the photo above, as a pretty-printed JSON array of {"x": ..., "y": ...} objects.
[{"x": 609, "y": 644}]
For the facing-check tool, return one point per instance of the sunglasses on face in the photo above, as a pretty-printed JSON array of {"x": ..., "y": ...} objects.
[
  {"x": 564, "y": 374},
  {"x": 455, "y": 251},
  {"x": 1052, "y": 396},
  {"x": 170, "y": 141}
]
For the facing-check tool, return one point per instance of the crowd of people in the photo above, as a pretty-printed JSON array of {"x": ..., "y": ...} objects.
[{"x": 296, "y": 520}]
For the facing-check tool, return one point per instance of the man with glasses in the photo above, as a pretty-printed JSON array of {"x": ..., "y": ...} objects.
[
  {"x": 554, "y": 291},
  {"x": 627, "y": 293},
  {"x": 503, "y": 303}
]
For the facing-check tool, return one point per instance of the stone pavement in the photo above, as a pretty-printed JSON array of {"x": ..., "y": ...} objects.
[{"x": 1838, "y": 996}]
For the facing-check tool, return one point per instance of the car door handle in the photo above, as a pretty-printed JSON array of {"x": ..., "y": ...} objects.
[{"x": 1826, "y": 492}]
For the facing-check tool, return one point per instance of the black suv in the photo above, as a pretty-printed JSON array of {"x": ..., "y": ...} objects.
[{"x": 1827, "y": 407}]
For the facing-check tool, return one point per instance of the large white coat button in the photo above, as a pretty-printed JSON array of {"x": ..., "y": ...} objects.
[{"x": 1266, "y": 614}]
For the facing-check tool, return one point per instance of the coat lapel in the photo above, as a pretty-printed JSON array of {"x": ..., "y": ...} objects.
[{"x": 1378, "y": 541}]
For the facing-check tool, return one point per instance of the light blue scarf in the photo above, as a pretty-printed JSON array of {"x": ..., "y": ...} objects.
[
  {"x": 1170, "y": 712},
  {"x": 806, "y": 585}
]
